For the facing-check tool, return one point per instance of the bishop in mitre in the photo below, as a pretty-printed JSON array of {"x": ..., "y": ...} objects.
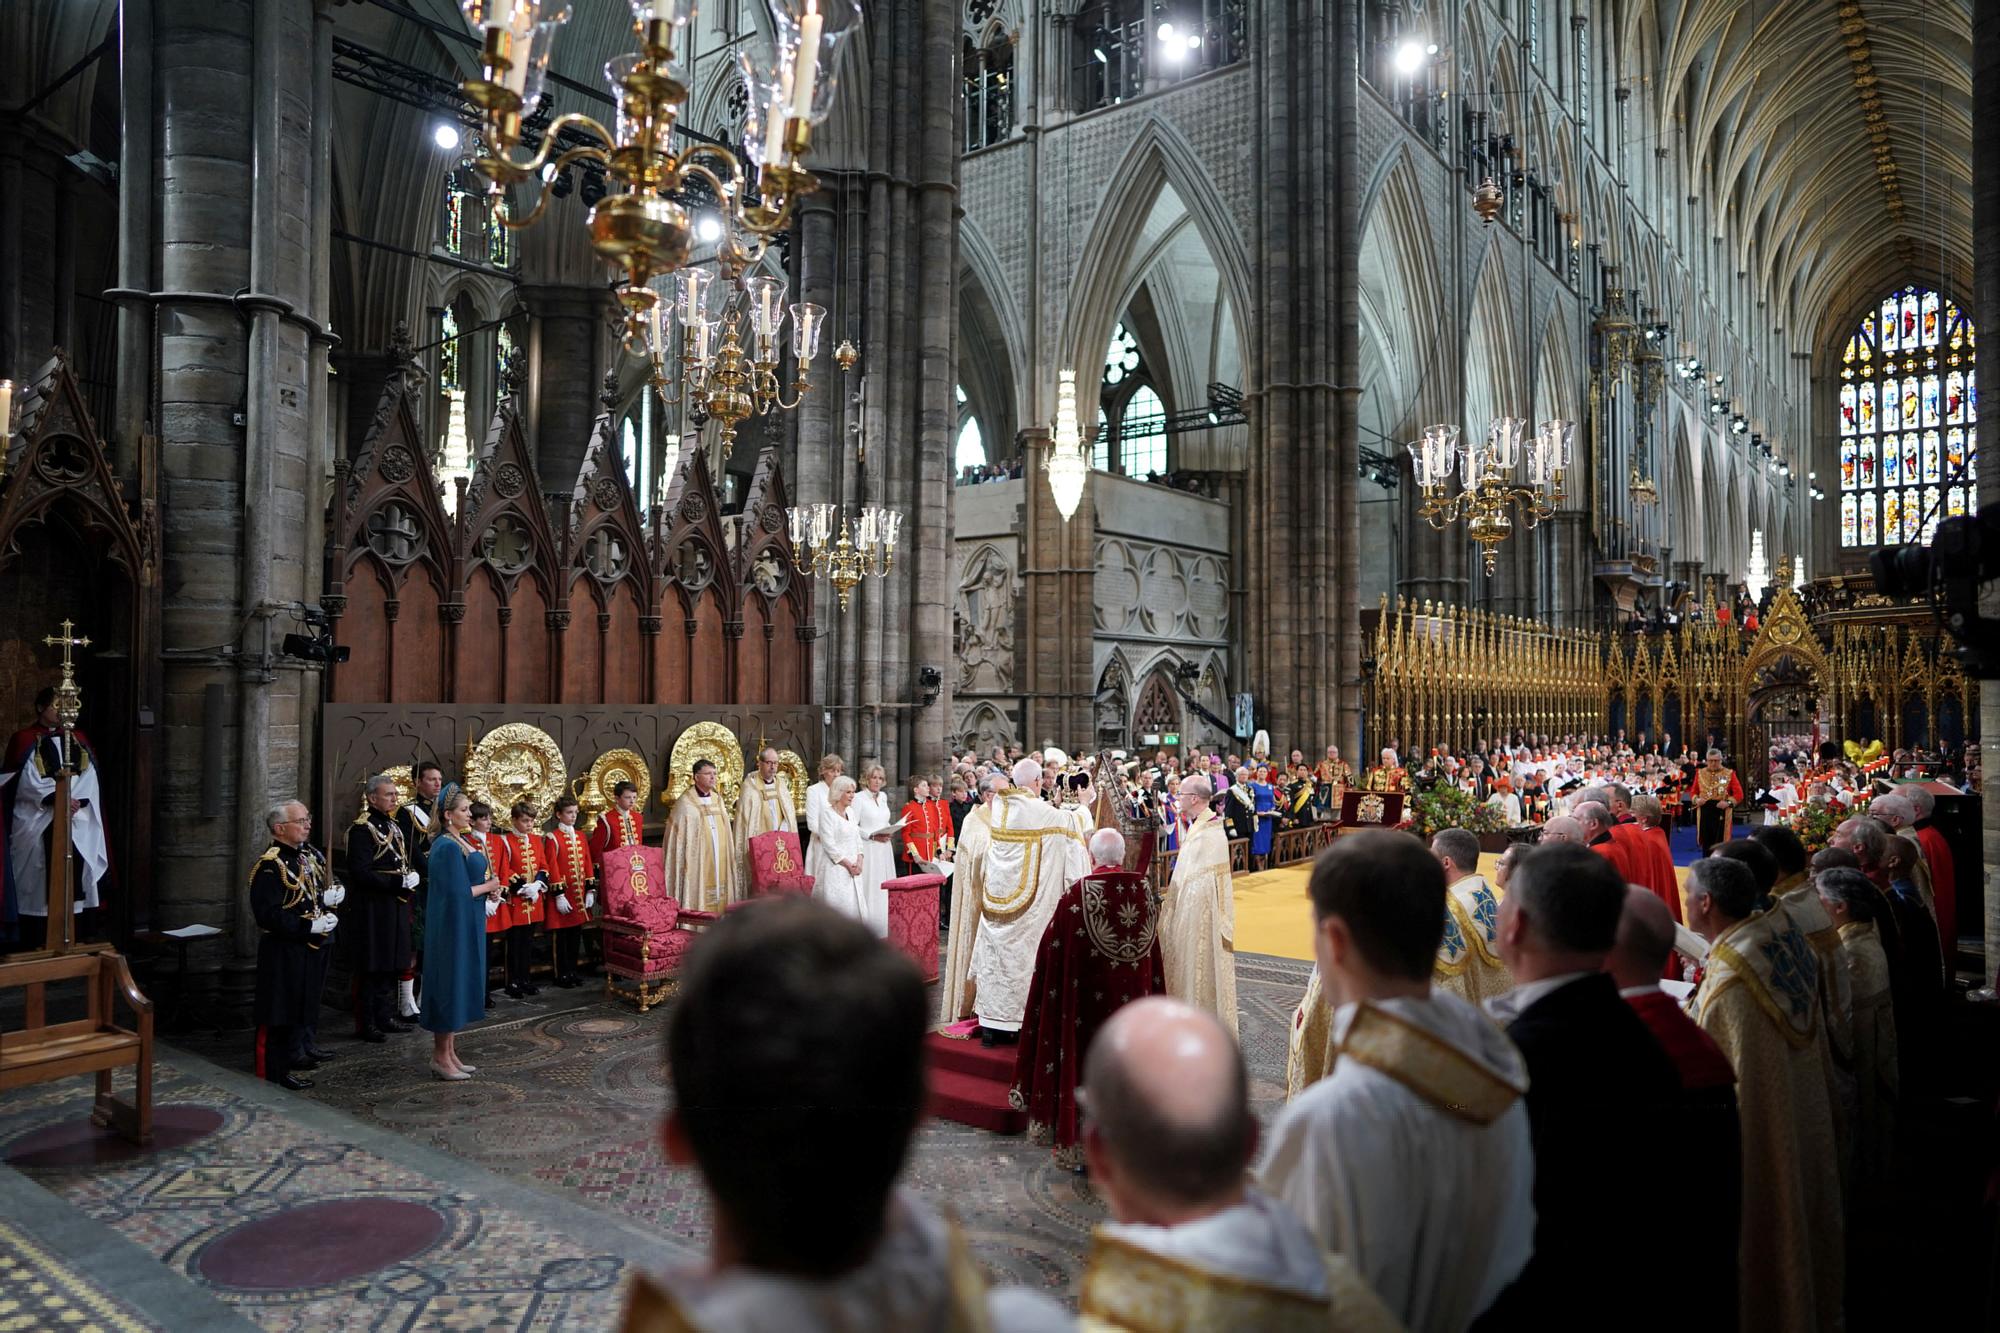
[
  {"x": 765, "y": 806},
  {"x": 701, "y": 849},
  {"x": 1198, "y": 918},
  {"x": 1036, "y": 852},
  {"x": 975, "y": 836}
]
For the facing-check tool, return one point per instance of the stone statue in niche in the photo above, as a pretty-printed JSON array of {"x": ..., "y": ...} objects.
[
  {"x": 767, "y": 573},
  {"x": 985, "y": 628}
]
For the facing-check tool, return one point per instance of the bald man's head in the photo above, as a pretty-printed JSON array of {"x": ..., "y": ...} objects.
[
  {"x": 1601, "y": 795},
  {"x": 1561, "y": 828},
  {"x": 1645, "y": 939},
  {"x": 1169, "y": 1105}
]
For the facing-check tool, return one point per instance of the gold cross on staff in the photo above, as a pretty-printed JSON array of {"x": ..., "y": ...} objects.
[{"x": 66, "y": 642}]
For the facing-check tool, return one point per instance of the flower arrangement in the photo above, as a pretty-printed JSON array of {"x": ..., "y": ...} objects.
[
  {"x": 1446, "y": 806},
  {"x": 1815, "y": 822}
]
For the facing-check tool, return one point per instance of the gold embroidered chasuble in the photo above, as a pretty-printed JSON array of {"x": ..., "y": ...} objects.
[
  {"x": 1759, "y": 1000},
  {"x": 701, "y": 853},
  {"x": 1198, "y": 921}
]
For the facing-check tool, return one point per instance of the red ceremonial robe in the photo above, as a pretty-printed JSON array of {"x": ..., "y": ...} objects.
[
  {"x": 1944, "y": 888},
  {"x": 1100, "y": 951},
  {"x": 616, "y": 828},
  {"x": 572, "y": 872}
]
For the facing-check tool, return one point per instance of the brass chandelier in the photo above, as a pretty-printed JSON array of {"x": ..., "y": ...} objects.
[
  {"x": 866, "y": 548},
  {"x": 1509, "y": 470},
  {"x": 642, "y": 224}
]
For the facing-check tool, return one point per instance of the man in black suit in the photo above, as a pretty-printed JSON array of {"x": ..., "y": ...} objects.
[{"x": 1596, "y": 1076}]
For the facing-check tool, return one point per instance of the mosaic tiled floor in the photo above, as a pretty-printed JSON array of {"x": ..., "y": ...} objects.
[{"x": 565, "y": 1109}]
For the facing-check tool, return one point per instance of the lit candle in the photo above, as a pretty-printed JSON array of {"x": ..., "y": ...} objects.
[
  {"x": 6, "y": 413},
  {"x": 774, "y": 126},
  {"x": 522, "y": 21},
  {"x": 807, "y": 63}
]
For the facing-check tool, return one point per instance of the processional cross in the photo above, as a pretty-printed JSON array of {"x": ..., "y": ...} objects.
[{"x": 69, "y": 707}]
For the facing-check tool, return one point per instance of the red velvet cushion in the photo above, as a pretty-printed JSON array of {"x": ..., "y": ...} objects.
[
  {"x": 777, "y": 865},
  {"x": 635, "y": 888}
]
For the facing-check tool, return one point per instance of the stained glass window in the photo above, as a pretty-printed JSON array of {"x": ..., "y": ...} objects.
[
  {"x": 499, "y": 240},
  {"x": 1100, "y": 449},
  {"x": 454, "y": 220},
  {"x": 1908, "y": 420}
]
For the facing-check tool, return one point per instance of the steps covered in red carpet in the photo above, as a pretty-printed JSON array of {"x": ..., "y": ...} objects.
[{"x": 969, "y": 1082}]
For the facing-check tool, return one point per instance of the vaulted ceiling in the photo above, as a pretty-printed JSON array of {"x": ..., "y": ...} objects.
[{"x": 1836, "y": 135}]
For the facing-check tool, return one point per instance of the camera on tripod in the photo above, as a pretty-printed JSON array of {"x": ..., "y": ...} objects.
[{"x": 1963, "y": 554}]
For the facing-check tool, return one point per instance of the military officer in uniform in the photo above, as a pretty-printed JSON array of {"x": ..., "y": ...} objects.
[
  {"x": 291, "y": 897},
  {"x": 385, "y": 885},
  {"x": 419, "y": 821}
]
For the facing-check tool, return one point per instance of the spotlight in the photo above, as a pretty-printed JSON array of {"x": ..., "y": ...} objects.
[
  {"x": 1194, "y": 41},
  {"x": 1166, "y": 33},
  {"x": 708, "y": 229},
  {"x": 592, "y": 189},
  {"x": 445, "y": 135},
  {"x": 1102, "y": 59},
  {"x": 1409, "y": 58}
]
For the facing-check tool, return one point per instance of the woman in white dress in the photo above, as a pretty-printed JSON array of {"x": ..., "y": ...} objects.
[
  {"x": 871, "y": 815},
  {"x": 830, "y": 768},
  {"x": 836, "y": 860}
]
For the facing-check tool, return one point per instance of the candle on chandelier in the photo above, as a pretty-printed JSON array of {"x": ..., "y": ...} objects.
[{"x": 806, "y": 63}]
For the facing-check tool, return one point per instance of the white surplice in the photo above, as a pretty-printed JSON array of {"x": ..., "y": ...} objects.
[
  {"x": 837, "y": 839},
  {"x": 33, "y": 813},
  {"x": 1036, "y": 852},
  {"x": 1412, "y": 1157}
]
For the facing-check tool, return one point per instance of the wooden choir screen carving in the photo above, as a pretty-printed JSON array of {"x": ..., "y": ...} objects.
[
  {"x": 596, "y": 603},
  {"x": 80, "y": 542}
]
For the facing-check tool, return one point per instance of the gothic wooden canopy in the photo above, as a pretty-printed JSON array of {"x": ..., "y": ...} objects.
[{"x": 588, "y": 602}]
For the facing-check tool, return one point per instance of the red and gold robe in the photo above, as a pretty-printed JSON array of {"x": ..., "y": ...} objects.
[
  {"x": 572, "y": 871},
  {"x": 517, "y": 859},
  {"x": 617, "y": 828}
]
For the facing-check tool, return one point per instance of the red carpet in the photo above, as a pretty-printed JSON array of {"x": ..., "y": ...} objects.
[{"x": 969, "y": 1083}]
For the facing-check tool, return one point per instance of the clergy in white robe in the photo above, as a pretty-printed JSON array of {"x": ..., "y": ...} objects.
[
  {"x": 837, "y": 862},
  {"x": 1412, "y": 1157},
  {"x": 764, "y": 806},
  {"x": 1198, "y": 916},
  {"x": 968, "y": 877},
  {"x": 34, "y": 810},
  {"x": 1036, "y": 851},
  {"x": 701, "y": 847}
]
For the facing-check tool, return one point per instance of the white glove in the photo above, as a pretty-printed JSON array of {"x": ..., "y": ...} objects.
[
  {"x": 562, "y": 905},
  {"x": 323, "y": 925},
  {"x": 590, "y": 900},
  {"x": 531, "y": 891},
  {"x": 411, "y": 879},
  {"x": 492, "y": 908},
  {"x": 334, "y": 896}
]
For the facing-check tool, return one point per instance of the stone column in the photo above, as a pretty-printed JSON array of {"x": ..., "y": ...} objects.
[
  {"x": 1986, "y": 312},
  {"x": 1304, "y": 539},
  {"x": 235, "y": 252},
  {"x": 569, "y": 343},
  {"x": 891, "y": 223},
  {"x": 1058, "y": 607}
]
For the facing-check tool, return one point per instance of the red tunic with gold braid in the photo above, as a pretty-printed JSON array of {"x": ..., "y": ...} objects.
[
  {"x": 521, "y": 856},
  {"x": 616, "y": 828},
  {"x": 573, "y": 872}
]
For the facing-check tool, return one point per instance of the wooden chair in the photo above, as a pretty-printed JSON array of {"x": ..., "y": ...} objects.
[{"x": 41, "y": 1052}]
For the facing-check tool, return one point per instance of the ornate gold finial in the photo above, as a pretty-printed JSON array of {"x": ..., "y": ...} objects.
[{"x": 69, "y": 699}]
